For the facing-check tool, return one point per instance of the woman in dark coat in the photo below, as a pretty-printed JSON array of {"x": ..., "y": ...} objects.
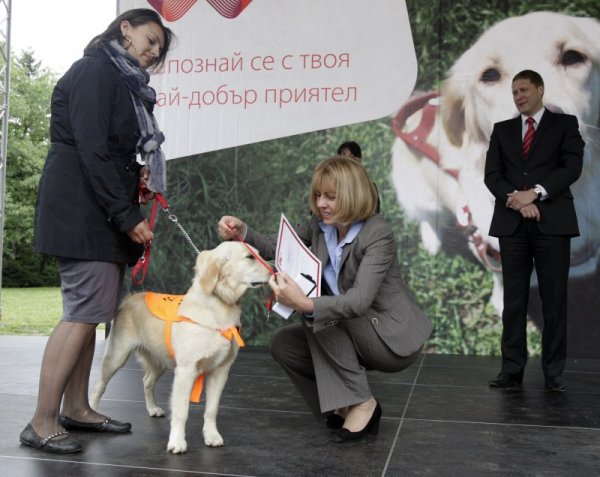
[{"x": 87, "y": 212}]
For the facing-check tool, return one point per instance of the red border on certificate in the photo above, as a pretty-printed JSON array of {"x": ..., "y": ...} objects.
[{"x": 294, "y": 258}]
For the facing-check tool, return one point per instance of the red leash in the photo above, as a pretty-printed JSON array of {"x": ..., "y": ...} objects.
[
  {"x": 144, "y": 260},
  {"x": 256, "y": 255},
  {"x": 268, "y": 304}
]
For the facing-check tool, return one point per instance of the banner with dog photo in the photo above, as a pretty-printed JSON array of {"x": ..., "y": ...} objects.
[{"x": 426, "y": 157}]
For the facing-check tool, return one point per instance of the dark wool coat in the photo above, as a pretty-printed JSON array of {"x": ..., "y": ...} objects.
[{"x": 87, "y": 196}]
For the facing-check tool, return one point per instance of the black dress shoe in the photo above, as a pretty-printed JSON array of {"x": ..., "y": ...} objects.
[
  {"x": 506, "y": 381},
  {"x": 50, "y": 444},
  {"x": 334, "y": 421},
  {"x": 343, "y": 435},
  {"x": 555, "y": 384},
  {"x": 108, "y": 425}
]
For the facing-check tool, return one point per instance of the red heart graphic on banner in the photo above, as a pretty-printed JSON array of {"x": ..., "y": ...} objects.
[
  {"x": 229, "y": 8},
  {"x": 172, "y": 10}
]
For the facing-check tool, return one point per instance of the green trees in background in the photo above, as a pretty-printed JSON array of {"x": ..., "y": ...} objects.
[{"x": 28, "y": 141}]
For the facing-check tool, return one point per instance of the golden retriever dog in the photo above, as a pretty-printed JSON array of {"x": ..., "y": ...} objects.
[
  {"x": 212, "y": 305},
  {"x": 565, "y": 50}
]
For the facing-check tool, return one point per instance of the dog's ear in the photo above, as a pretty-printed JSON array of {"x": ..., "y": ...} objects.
[
  {"x": 208, "y": 269},
  {"x": 590, "y": 27},
  {"x": 452, "y": 109}
]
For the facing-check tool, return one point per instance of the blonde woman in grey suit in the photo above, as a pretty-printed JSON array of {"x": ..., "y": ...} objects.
[{"x": 365, "y": 319}]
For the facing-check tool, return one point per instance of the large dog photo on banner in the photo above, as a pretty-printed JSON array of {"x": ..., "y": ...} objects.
[{"x": 439, "y": 153}]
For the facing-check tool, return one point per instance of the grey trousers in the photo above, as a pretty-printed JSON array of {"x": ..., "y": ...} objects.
[{"x": 329, "y": 367}]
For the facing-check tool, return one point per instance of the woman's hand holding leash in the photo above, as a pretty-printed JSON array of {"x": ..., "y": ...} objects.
[
  {"x": 141, "y": 233},
  {"x": 229, "y": 226}
]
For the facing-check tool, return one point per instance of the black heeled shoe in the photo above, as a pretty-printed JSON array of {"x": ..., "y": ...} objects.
[
  {"x": 334, "y": 421},
  {"x": 343, "y": 435}
]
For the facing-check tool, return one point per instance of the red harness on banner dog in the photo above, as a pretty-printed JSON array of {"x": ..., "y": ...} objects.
[
  {"x": 417, "y": 139},
  {"x": 165, "y": 307}
]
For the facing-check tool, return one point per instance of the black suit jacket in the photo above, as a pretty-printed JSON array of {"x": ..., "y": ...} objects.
[{"x": 554, "y": 162}]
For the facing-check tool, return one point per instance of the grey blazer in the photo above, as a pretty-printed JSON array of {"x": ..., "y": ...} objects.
[{"x": 370, "y": 284}]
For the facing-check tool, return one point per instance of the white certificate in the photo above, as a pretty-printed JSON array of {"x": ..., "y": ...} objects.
[{"x": 296, "y": 259}]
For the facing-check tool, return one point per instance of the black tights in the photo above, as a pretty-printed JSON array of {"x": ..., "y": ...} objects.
[{"x": 65, "y": 376}]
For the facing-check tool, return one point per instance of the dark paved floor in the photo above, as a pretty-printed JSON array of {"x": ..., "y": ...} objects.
[{"x": 439, "y": 419}]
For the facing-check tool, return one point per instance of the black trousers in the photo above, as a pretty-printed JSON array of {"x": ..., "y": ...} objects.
[{"x": 551, "y": 256}]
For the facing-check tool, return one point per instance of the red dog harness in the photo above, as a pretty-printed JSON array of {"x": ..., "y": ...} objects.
[
  {"x": 417, "y": 139},
  {"x": 165, "y": 307}
]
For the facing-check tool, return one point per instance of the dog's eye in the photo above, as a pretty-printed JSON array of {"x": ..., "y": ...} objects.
[
  {"x": 491, "y": 75},
  {"x": 572, "y": 57},
  {"x": 251, "y": 257}
]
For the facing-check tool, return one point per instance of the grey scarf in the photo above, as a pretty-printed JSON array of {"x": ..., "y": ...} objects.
[{"x": 144, "y": 99}]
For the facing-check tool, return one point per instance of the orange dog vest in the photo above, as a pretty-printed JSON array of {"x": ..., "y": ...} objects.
[{"x": 165, "y": 307}]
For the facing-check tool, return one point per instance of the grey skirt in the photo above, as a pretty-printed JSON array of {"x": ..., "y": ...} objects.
[{"x": 90, "y": 289}]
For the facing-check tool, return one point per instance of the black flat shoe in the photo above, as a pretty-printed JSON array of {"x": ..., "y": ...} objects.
[
  {"x": 334, "y": 421},
  {"x": 50, "y": 444},
  {"x": 555, "y": 384},
  {"x": 343, "y": 435},
  {"x": 506, "y": 381},
  {"x": 108, "y": 425}
]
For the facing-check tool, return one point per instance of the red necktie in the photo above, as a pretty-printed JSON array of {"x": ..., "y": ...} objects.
[{"x": 529, "y": 135}]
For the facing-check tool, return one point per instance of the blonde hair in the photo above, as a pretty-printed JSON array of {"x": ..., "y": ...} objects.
[{"x": 354, "y": 189}]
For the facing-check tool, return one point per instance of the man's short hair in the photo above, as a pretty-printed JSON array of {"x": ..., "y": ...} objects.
[
  {"x": 352, "y": 146},
  {"x": 533, "y": 76}
]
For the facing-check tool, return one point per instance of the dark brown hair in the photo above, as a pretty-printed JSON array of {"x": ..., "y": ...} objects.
[
  {"x": 534, "y": 77},
  {"x": 136, "y": 17}
]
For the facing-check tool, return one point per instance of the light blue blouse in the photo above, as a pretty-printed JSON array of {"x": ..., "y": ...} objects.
[{"x": 331, "y": 272}]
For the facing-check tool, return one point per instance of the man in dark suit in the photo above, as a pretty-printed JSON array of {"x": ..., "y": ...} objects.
[{"x": 530, "y": 164}]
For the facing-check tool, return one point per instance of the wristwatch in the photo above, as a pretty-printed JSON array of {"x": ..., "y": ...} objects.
[{"x": 538, "y": 191}]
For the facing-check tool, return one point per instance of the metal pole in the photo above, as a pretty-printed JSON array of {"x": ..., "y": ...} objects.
[{"x": 5, "y": 8}]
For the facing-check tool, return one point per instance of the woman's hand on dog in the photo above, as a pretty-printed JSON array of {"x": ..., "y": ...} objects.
[
  {"x": 288, "y": 292},
  {"x": 230, "y": 226}
]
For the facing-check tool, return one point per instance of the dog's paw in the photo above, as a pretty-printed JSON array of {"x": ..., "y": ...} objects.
[
  {"x": 177, "y": 446},
  {"x": 212, "y": 438},
  {"x": 430, "y": 238},
  {"x": 156, "y": 411}
]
